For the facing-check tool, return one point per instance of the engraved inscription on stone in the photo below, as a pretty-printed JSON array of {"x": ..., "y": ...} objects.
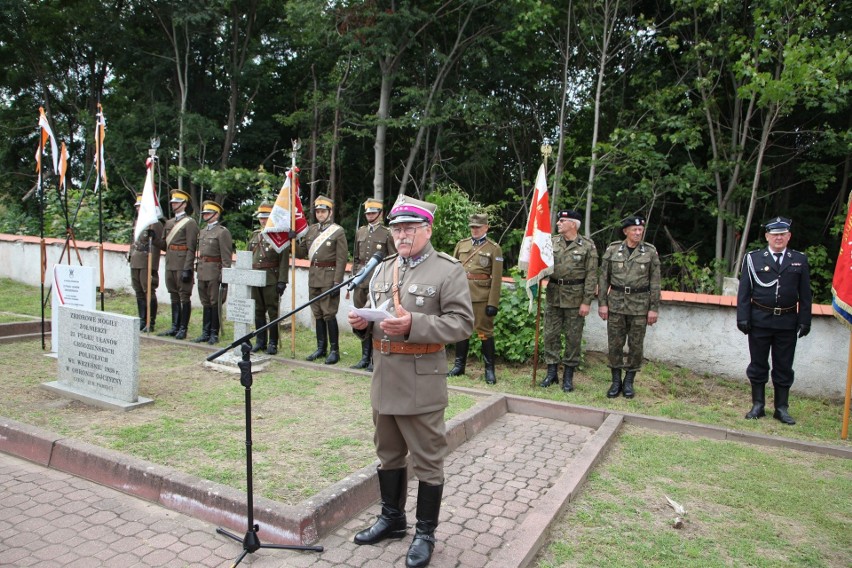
[{"x": 240, "y": 310}]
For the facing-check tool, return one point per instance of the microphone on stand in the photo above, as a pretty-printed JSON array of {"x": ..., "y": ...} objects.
[{"x": 362, "y": 275}]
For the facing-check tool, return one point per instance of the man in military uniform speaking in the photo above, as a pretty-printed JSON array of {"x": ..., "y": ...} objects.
[
  {"x": 430, "y": 306},
  {"x": 570, "y": 290},
  {"x": 215, "y": 249},
  {"x": 629, "y": 300},
  {"x": 325, "y": 246},
  {"x": 482, "y": 260},
  {"x": 369, "y": 239},
  {"x": 180, "y": 240},
  {"x": 267, "y": 298},
  {"x": 774, "y": 310}
]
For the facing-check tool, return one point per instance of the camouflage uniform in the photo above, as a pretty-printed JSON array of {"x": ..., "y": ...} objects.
[
  {"x": 630, "y": 286},
  {"x": 572, "y": 283}
]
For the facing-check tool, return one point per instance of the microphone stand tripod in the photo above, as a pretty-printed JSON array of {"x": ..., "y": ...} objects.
[{"x": 251, "y": 542}]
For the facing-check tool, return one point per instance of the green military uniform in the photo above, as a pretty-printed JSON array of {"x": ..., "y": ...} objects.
[
  {"x": 215, "y": 251},
  {"x": 369, "y": 239},
  {"x": 482, "y": 260},
  {"x": 571, "y": 285},
  {"x": 267, "y": 298},
  {"x": 629, "y": 286},
  {"x": 180, "y": 239},
  {"x": 139, "y": 271},
  {"x": 325, "y": 246}
]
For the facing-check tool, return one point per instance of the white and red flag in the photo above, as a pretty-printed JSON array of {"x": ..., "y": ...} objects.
[
  {"x": 278, "y": 226},
  {"x": 149, "y": 207},
  {"x": 536, "y": 256},
  {"x": 100, "y": 163},
  {"x": 46, "y": 134}
]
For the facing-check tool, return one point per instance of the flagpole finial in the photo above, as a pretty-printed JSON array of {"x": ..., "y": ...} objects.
[
  {"x": 155, "y": 143},
  {"x": 546, "y": 150}
]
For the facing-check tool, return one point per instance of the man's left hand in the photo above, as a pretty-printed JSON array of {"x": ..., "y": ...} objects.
[
  {"x": 491, "y": 311},
  {"x": 400, "y": 325},
  {"x": 280, "y": 287},
  {"x": 804, "y": 329}
]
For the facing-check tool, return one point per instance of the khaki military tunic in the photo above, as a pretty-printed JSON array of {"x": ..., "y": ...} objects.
[
  {"x": 483, "y": 266},
  {"x": 139, "y": 261},
  {"x": 275, "y": 264},
  {"x": 215, "y": 251},
  {"x": 368, "y": 241},
  {"x": 630, "y": 285},
  {"x": 179, "y": 244},
  {"x": 328, "y": 265},
  {"x": 408, "y": 392},
  {"x": 572, "y": 283}
]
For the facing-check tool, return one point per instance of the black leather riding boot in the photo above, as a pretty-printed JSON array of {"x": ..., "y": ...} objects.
[
  {"x": 428, "y": 509},
  {"x": 272, "y": 349},
  {"x": 153, "y": 314},
  {"x": 552, "y": 375},
  {"x": 758, "y": 402},
  {"x": 185, "y": 313},
  {"x": 366, "y": 344},
  {"x": 260, "y": 338},
  {"x": 205, "y": 325},
  {"x": 568, "y": 379},
  {"x": 322, "y": 341},
  {"x": 628, "y": 384},
  {"x": 488, "y": 357},
  {"x": 214, "y": 326},
  {"x": 393, "y": 487},
  {"x": 333, "y": 339},
  {"x": 461, "y": 358},
  {"x": 172, "y": 331},
  {"x": 143, "y": 313},
  {"x": 782, "y": 397},
  {"x": 615, "y": 389}
]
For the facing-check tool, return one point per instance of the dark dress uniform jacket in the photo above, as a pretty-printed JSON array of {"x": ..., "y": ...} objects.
[
  {"x": 640, "y": 273},
  {"x": 328, "y": 263},
  {"x": 482, "y": 260},
  {"x": 368, "y": 243},
  {"x": 180, "y": 251},
  {"x": 435, "y": 292},
  {"x": 264, "y": 257},
  {"x": 784, "y": 288},
  {"x": 575, "y": 273},
  {"x": 215, "y": 249}
]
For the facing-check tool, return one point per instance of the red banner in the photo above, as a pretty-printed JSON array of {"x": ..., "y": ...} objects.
[{"x": 841, "y": 285}]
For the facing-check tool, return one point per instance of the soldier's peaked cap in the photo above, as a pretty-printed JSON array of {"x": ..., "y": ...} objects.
[
  {"x": 410, "y": 210},
  {"x": 323, "y": 202},
  {"x": 179, "y": 196},
  {"x": 779, "y": 225},
  {"x": 264, "y": 210},
  {"x": 211, "y": 206},
  {"x": 478, "y": 220},
  {"x": 373, "y": 206}
]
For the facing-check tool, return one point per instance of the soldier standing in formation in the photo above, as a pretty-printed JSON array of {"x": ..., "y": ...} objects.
[
  {"x": 215, "y": 249},
  {"x": 431, "y": 307},
  {"x": 148, "y": 243},
  {"x": 570, "y": 289},
  {"x": 181, "y": 239},
  {"x": 482, "y": 260},
  {"x": 325, "y": 246},
  {"x": 369, "y": 239},
  {"x": 774, "y": 310},
  {"x": 629, "y": 301},
  {"x": 267, "y": 298}
]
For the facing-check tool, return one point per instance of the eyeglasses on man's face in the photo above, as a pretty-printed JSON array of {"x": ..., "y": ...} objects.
[{"x": 407, "y": 231}]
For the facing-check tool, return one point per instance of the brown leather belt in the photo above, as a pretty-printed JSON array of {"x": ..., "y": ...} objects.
[
  {"x": 178, "y": 247},
  {"x": 323, "y": 264},
  {"x": 629, "y": 290},
  {"x": 478, "y": 276},
  {"x": 257, "y": 265},
  {"x": 211, "y": 258},
  {"x": 562, "y": 282},
  {"x": 774, "y": 311},
  {"x": 386, "y": 347}
]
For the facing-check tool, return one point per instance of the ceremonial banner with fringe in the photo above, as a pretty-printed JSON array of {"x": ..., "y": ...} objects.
[
  {"x": 278, "y": 226},
  {"x": 841, "y": 284},
  {"x": 536, "y": 256}
]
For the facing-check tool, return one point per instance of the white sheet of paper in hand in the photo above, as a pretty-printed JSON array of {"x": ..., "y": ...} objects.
[{"x": 375, "y": 314}]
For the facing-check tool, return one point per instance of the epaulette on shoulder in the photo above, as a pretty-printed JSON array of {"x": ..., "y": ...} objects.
[
  {"x": 614, "y": 243},
  {"x": 449, "y": 257},
  {"x": 649, "y": 245}
]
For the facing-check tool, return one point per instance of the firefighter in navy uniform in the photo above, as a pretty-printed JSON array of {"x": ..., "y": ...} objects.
[
  {"x": 369, "y": 239},
  {"x": 215, "y": 249},
  {"x": 774, "y": 310},
  {"x": 267, "y": 298}
]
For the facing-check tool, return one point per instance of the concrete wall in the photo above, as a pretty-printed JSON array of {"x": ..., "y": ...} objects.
[{"x": 696, "y": 331}]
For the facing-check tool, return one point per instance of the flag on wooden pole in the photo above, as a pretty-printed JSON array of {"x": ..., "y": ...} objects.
[
  {"x": 536, "y": 256},
  {"x": 278, "y": 226},
  {"x": 100, "y": 163},
  {"x": 841, "y": 284},
  {"x": 46, "y": 134},
  {"x": 149, "y": 207}
]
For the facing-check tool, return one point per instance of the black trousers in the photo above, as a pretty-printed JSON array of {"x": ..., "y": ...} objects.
[{"x": 781, "y": 345}]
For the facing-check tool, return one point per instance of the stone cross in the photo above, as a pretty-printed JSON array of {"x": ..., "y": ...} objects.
[{"x": 240, "y": 306}]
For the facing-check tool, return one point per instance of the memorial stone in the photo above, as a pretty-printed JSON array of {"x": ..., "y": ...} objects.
[{"x": 240, "y": 306}]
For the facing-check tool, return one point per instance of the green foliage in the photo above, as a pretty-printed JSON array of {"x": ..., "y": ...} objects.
[
  {"x": 822, "y": 273},
  {"x": 451, "y": 218},
  {"x": 682, "y": 272},
  {"x": 514, "y": 326}
]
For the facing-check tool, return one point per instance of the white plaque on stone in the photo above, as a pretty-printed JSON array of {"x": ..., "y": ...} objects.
[
  {"x": 98, "y": 358},
  {"x": 240, "y": 310},
  {"x": 73, "y": 286}
]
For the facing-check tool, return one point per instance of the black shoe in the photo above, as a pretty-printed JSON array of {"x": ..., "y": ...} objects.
[
  {"x": 272, "y": 349},
  {"x": 615, "y": 388},
  {"x": 783, "y": 416},
  {"x": 757, "y": 411},
  {"x": 627, "y": 389},
  {"x": 551, "y": 377},
  {"x": 568, "y": 379}
]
